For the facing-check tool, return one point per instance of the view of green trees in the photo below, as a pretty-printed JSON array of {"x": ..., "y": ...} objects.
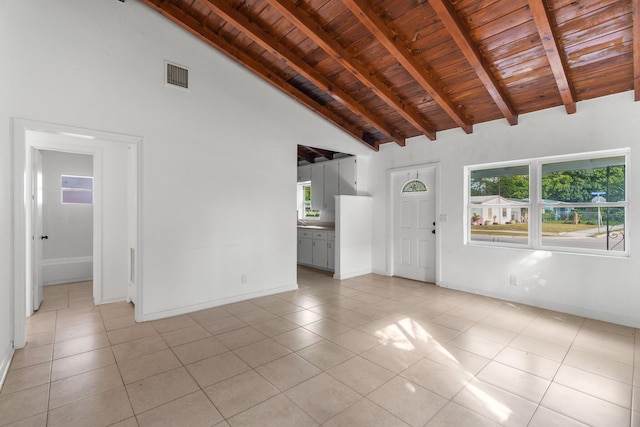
[
  {"x": 510, "y": 187},
  {"x": 578, "y": 186},
  {"x": 574, "y": 186}
]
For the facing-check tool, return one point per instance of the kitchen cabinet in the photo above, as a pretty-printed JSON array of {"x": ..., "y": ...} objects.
[
  {"x": 331, "y": 180},
  {"x": 305, "y": 247},
  {"x": 304, "y": 173},
  {"x": 317, "y": 186},
  {"x": 316, "y": 248},
  {"x": 331, "y": 250},
  {"x": 347, "y": 177},
  {"x": 320, "y": 254}
]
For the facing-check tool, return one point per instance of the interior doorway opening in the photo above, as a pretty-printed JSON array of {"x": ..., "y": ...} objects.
[
  {"x": 115, "y": 217},
  {"x": 62, "y": 213}
]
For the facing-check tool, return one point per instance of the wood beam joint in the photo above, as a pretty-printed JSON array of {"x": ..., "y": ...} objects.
[
  {"x": 379, "y": 29},
  {"x": 544, "y": 23},
  {"x": 261, "y": 37},
  {"x": 326, "y": 42},
  {"x": 460, "y": 34}
]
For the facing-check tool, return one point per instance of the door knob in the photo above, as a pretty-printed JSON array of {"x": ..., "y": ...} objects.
[
  {"x": 433, "y": 231},
  {"x": 44, "y": 237}
]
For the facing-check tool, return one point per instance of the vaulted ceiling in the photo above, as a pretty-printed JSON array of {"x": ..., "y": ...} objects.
[{"x": 384, "y": 71}]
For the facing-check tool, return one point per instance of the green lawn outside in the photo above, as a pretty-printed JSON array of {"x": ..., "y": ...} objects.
[{"x": 549, "y": 228}]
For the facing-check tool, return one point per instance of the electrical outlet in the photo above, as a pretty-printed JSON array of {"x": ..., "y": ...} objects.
[
  {"x": 513, "y": 280},
  {"x": 243, "y": 279}
]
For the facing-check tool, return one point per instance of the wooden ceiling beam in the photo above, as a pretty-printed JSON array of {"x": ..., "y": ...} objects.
[
  {"x": 321, "y": 153},
  {"x": 326, "y": 42},
  {"x": 196, "y": 28},
  {"x": 303, "y": 154},
  {"x": 543, "y": 20},
  {"x": 370, "y": 19},
  {"x": 460, "y": 34},
  {"x": 265, "y": 40},
  {"x": 636, "y": 48}
]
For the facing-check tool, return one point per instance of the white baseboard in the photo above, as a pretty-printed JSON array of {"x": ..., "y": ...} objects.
[
  {"x": 66, "y": 270},
  {"x": 215, "y": 303},
  {"x": 112, "y": 300},
  {"x": 67, "y": 260},
  {"x": 548, "y": 305},
  {"x": 349, "y": 275},
  {"x": 65, "y": 281},
  {"x": 5, "y": 363}
]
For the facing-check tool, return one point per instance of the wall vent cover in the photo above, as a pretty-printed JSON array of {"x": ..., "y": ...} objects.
[{"x": 177, "y": 76}]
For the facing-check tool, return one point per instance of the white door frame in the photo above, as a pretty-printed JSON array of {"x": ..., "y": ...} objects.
[
  {"x": 22, "y": 215},
  {"x": 392, "y": 197},
  {"x": 37, "y": 231}
]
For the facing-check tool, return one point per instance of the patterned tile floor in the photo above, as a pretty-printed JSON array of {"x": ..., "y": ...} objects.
[{"x": 369, "y": 351}]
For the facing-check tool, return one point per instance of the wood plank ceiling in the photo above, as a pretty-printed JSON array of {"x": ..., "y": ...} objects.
[{"x": 387, "y": 70}]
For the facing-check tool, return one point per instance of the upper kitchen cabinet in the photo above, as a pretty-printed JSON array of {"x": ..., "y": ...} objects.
[
  {"x": 317, "y": 186},
  {"x": 347, "y": 177},
  {"x": 331, "y": 184},
  {"x": 304, "y": 173},
  {"x": 339, "y": 177}
]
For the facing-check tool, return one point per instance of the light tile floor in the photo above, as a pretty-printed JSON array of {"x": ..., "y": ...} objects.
[{"x": 369, "y": 351}]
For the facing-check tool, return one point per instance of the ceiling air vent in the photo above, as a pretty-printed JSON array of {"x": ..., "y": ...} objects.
[{"x": 177, "y": 76}]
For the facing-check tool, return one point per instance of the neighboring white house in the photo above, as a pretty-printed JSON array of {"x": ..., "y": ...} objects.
[{"x": 497, "y": 209}]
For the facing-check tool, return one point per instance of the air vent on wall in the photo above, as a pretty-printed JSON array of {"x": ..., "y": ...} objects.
[{"x": 177, "y": 76}]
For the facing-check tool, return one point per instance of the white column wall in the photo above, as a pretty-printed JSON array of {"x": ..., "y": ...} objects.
[
  {"x": 594, "y": 286},
  {"x": 6, "y": 208}
]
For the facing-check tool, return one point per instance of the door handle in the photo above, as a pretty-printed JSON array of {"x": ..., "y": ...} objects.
[
  {"x": 433, "y": 231},
  {"x": 44, "y": 237}
]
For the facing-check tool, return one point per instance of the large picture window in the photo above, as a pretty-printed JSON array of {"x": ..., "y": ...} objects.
[
  {"x": 583, "y": 203},
  {"x": 499, "y": 205},
  {"x": 572, "y": 203}
]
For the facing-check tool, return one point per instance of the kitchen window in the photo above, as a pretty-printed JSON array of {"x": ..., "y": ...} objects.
[
  {"x": 304, "y": 202},
  {"x": 574, "y": 203}
]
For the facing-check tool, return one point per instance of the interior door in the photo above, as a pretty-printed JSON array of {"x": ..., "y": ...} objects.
[
  {"x": 414, "y": 226},
  {"x": 38, "y": 236}
]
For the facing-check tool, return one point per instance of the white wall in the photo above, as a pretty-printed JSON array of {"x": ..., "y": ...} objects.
[
  {"x": 594, "y": 286},
  {"x": 354, "y": 229},
  {"x": 6, "y": 207},
  {"x": 68, "y": 250},
  {"x": 218, "y": 161}
]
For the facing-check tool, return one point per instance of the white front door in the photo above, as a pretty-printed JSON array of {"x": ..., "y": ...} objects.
[
  {"x": 38, "y": 236},
  {"x": 414, "y": 239}
]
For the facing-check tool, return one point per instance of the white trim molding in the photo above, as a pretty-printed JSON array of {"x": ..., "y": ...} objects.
[
  {"x": 5, "y": 362},
  {"x": 67, "y": 270}
]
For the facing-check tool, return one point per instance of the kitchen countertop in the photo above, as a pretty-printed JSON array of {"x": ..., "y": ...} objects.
[{"x": 317, "y": 225}]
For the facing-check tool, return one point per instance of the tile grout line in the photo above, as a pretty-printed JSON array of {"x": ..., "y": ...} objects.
[{"x": 319, "y": 297}]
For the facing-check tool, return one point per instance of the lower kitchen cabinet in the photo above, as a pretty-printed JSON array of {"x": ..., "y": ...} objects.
[
  {"x": 305, "y": 251},
  {"x": 331, "y": 255},
  {"x": 316, "y": 248},
  {"x": 320, "y": 256}
]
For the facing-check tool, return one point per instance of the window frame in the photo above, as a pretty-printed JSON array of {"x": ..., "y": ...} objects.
[
  {"x": 495, "y": 209},
  {"x": 536, "y": 204},
  {"x": 64, "y": 190}
]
